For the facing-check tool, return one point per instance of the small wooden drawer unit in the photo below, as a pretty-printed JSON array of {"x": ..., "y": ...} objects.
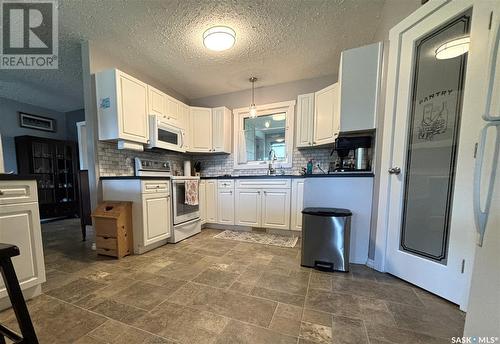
[{"x": 113, "y": 228}]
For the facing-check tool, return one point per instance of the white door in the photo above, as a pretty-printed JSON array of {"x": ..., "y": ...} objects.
[
  {"x": 201, "y": 129},
  {"x": 248, "y": 207},
  {"x": 156, "y": 217},
  {"x": 202, "y": 201},
  {"x": 297, "y": 204},
  {"x": 326, "y": 115},
  {"x": 305, "y": 122},
  {"x": 425, "y": 186},
  {"x": 225, "y": 207},
  {"x": 133, "y": 105},
  {"x": 211, "y": 201},
  {"x": 276, "y": 209}
]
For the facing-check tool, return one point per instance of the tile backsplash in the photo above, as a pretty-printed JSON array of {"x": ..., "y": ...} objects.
[{"x": 116, "y": 162}]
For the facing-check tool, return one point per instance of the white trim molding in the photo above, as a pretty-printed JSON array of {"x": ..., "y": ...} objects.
[{"x": 287, "y": 107}]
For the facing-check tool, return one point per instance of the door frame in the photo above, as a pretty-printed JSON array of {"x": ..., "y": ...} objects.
[{"x": 391, "y": 105}]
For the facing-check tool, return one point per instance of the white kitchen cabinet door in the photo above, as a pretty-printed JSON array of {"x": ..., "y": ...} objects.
[
  {"x": 211, "y": 201},
  {"x": 202, "y": 200},
  {"x": 156, "y": 102},
  {"x": 359, "y": 84},
  {"x": 248, "y": 207},
  {"x": 186, "y": 126},
  {"x": 225, "y": 207},
  {"x": 122, "y": 107},
  {"x": 305, "y": 120},
  {"x": 221, "y": 130},
  {"x": 156, "y": 212},
  {"x": 174, "y": 111},
  {"x": 326, "y": 115},
  {"x": 20, "y": 226},
  {"x": 297, "y": 204},
  {"x": 201, "y": 130},
  {"x": 276, "y": 208}
]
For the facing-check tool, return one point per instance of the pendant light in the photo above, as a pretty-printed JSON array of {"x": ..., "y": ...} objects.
[{"x": 253, "y": 108}]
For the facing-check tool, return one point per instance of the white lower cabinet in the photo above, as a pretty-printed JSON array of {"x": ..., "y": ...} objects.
[
  {"x": 20, "y": 226},
  {"x": 276, "y": 209},
  {"x": 202, "y": 201},
  {"x": 211, "y": 201},
  {"x": 156, "y": 221},
  {"x": 263, "y": 203},
  {"x": 247, "y": 207},
  {"x": 297, "y": 204},
  {"x": 225, "y": 206}
]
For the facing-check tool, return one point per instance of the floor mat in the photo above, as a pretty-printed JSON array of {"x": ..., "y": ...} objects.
[{"x": 259, "y": 238}]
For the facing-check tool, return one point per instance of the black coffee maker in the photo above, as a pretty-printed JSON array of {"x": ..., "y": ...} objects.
[{"x": 347, "y": 149}]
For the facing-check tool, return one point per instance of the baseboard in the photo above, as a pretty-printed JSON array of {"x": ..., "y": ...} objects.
[
  {"x": 28, "y": 294},
  {"x": 370, "y": 263},
  {"x": 284, "y": 232}
]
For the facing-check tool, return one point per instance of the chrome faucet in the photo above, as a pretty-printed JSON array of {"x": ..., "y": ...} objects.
[{"x": 272, "y": 159}]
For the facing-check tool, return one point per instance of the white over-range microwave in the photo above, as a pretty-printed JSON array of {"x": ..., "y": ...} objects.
[{"x": 164, "y": 135}]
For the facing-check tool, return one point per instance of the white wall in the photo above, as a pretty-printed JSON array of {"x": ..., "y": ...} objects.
[{"x": 265, "y": 95}]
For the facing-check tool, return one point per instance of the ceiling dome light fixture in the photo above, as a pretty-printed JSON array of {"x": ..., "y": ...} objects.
[
  {"x": 453, "y": 48},
  {"x": 219, "y": 38},
  {"x": 253, "y": 108}
]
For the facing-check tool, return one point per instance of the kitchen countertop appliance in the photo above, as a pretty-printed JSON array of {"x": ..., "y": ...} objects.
[{"x": 185, "y": 218}]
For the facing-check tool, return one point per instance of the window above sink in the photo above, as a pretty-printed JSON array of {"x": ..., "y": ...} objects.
[{"x": 266, "y": 137}]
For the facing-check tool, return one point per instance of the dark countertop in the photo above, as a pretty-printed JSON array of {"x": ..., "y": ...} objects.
[
  {"x": 290, "y": 176},
  {"x": 133, "y": 177},
  {"x": 7, "y": 176}
]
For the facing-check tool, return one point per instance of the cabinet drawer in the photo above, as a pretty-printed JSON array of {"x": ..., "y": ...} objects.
[
  {"x": 12, "y": 192},
  {"x": 107, "y": 252},
  {"x": 105, "y": 227},
  {"x": 226, "y": 184},
  {"x": 106, "y": 243},
  {"x": 156, "y": 186},
  {"x": 265, "y": 183}
]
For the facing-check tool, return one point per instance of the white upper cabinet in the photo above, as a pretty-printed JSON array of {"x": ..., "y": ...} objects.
[
  {"x": 156, "y": 102},
  {"x": 210, "y": 130},
  {"x": 326, "y": 115},
  {"x": 186, "y": 126},
  {"x": 222, "y": 130},
  {"x": 174, "y": 111},
  {"x": 201, "y": 129},
  {"x": 359, "y": 80},
  {"x": 169, "y": 109},
  {"x": 305, "y": 120},
  {"x": 122, "y": 107}
]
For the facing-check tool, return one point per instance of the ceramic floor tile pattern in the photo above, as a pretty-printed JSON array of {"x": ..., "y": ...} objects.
[{"x": 208, "y": 290}]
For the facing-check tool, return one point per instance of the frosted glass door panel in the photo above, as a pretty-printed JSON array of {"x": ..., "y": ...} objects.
[{"x": 432, "y": 143}]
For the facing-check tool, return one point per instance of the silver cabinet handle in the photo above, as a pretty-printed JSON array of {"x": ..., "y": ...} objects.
[{"x": 394, "y": 170}]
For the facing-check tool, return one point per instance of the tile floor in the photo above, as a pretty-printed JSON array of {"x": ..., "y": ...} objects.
[{"x": 206, "y": 290}]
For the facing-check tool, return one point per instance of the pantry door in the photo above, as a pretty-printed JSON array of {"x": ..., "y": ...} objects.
[{"x": 423, "y": 157}]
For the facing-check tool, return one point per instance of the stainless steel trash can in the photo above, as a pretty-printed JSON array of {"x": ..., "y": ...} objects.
[{"x": 325, "y": 238}]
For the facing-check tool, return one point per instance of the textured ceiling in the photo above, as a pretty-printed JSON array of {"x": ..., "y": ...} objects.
[{"x": 276, "y": 40}]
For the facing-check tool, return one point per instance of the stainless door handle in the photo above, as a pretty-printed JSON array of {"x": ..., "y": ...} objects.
[{"x": 394, "y": 170}]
